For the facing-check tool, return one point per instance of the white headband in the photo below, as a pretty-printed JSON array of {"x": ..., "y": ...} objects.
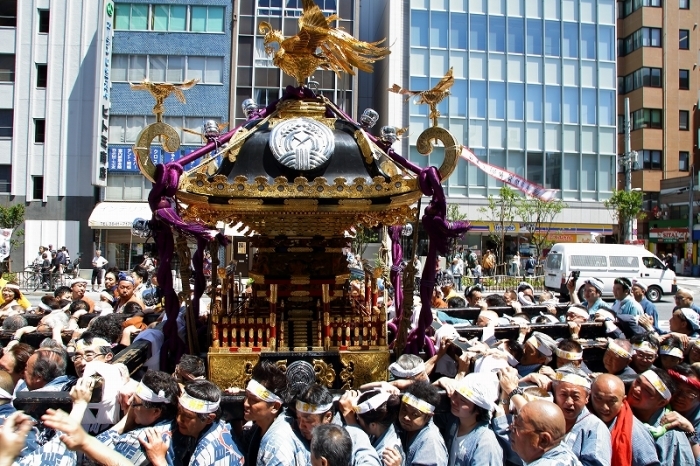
[
  {"x": 617, "y": 349},
  {"x": 146, "y": 394},
  {"x": 257, "y": 389},
  {"x": 12, "y": 286},
  {"x": 579, "y": 311},
  {"x": 671, "y": 351},
  {"x": 372, "y": 403},
  {"x": 400, "y": 372},
  {"x": 568, "y": 355},
  {"x": 541, "y": 347},
  {"x": 308, "y": 408},
  {"x": 45, "y": 307},
  {"x": 658, "y": 384},
  {"x": 100, "y": 342},
  {"x": 198, "y": 406},
  {"x": 572, "y": 379},
  {"x": 422, "y": 406},
  {"x": 644, "y": 346}
]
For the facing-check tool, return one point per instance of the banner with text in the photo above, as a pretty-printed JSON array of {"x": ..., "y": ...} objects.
[
  {"x": 516, "y": 181},
  {"x": 123, "y": 159}
]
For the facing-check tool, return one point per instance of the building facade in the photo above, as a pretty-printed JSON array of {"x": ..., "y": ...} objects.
[
  {"x": 166, "y": 41},
  {"x": 48, "y": 74},
  {"x": 657, "y": 70},
  {"x": 534, "y": 93}
]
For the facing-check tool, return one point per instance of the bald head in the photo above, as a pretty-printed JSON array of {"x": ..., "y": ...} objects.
[
  {"x": 545, "y": 416},
  {"x": 607, "y": 397},
  {"x": 610, "y": 383}
]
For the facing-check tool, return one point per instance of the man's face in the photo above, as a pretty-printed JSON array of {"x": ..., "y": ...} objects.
[
  {"x": 637, "y": 292},
  {"x": 474, "y": 298},
  {"x": 78, "y": 289},
  {"x": 619, "y": 291},
  {"x": 33, "y": 382},
  {"x": 571, "y": 399},
  {"x": 8, "y": 295},
  {"x": 607, "y": 402},
  {"x": 136, "y": 277},
  {"x": 575, "y": 317},
  {"x": 307, "y": 422},
  {"x": 86, "y": 354},
  {"x": 98, "y": 253},
  {"x": 614, "y": 363},
  {"x": 143, "y": 416},
  {"x": 126, "y": 290},
  {"x": 643, "y": 395},
  {"x": 255, "y": 409},
  {"x": 683, "y": 299},
  {"x": 678, "y": 322},
  {"x": 411, "y": 419},
  {"x": 189, "y": 423},
  {"x": 509, "y": 298},
  {"x": 8, "y": 363},
  {"x": 460, "y": 406},
  {"x": 524, "y": 440},
  {"x": 685, "y": 397},
  {"x": 109, "y": 280},
  {"x": 643, "y": 360}
]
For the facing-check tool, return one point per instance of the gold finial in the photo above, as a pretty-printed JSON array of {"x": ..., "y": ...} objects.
[
  {"x": 161, "y": 91},
  {"x": 319, "y": 45},
  {"x": 432, "y": 97}
]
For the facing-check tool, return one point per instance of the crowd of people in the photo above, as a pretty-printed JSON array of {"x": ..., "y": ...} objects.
[{"x": 531, "y": 400}]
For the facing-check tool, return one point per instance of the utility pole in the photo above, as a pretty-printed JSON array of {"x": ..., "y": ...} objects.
[{"x": 627, "y": 162}]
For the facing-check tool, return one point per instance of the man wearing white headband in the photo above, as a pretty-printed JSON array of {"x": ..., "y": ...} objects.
[
  {"x": 684, "y": 298},
  {"x": 639, "y": 292},
  {"x": 645, "y": 352},
  {"x": 422, "y": 440},
  {"x": 617, "y": 358},
  {"x": 592, "y": 294},
  {"x": 586, "y": 435},
  {"x": 537, "y": 350},
  {"x": 648, "y": 397},
  {"x": 90, "y": 348},
  {"x": 202, "y": 437},
  {"x": 78, "y": 286},
  {"x": 469, "y": 439}
]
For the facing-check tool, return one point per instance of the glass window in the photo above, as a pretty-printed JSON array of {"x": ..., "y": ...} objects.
[
  {"x": 553, "y": 169},
  {"x": 137, "y": 68},
  {"x": 571, "y": 172},
  {"x": 122, "y": 16},
  {"x": 683, "y": 120},
  {"x": 139, "y": 18},
  {"x": 215, "y": 19},
  {"x": 475, "y": 176},
  {"x": 570, "y": 40},
  {"x": 552, "y": 36},
  {"x": 535, "y": 167},
  {"x": 458, "y": 98},
  {"x": 39, "y": 130},
  {"x": 477, "y": 32},
  {"x": 588, "y": 106},
  {"x": 651, "y": 159},
  {"x": 497, "y": 34},
  {"x": 497, "y": 99},
  {"x": 606, "y": 108},
  {"x": 7, "y": 68},
  {"x": 438, "y": 29},
  {"x": 683, "y": 79},
  {"x": 534, "y": 37},
  {"x": 160, "y": 17},
  {"x": 176, "y": 70},
  {"x": 41, "y": 75},
  {"x": 683, "y": 39},
  {"x": 516, "y": 35},
  {"x": 120, "y": 65},
  {"x": 552, "y": 104},
  {"x": 570, "y": 105},
  {"x": 198, "y": 19},
  {"x": 117, "y": 125},
  {"x": 195, "y": 68},
  {"x": 458, "y": 31},
  {"x": 606, "y": 43},
  {"x": 516, "y": 100},
  {"x": 178, "y": 18},
  {"x": 5, "y": 178},
  {"x": 534, "y": 103},
  {"x": 497, "y": 158},
  {"x": 157, "y": 66},
  {"x": 684, "y": 4},
  {"x": 588, "y": 41},
  {"x": 214, "y": 70},
  {"x": 477, "y": 99},
  {"x": 683, "y": 161},
  {"x": 589, "y": 171},
  {"x": 516, "y": 162},
  {"x": 419, "y": 33}
]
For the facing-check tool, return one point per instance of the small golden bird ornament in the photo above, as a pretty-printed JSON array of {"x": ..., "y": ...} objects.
[
  {"x": 161, "y": 91},
  {"x": 319, "y": 45},
  {"x": 432, "y": 97}
]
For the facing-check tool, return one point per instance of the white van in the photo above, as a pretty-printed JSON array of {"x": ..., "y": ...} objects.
[{"x": 607, "y": 262}]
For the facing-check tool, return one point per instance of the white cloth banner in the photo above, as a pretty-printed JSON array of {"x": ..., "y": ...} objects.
[
  {"x": 509, "y": 178},
  {"x": 5, "y": 234}
]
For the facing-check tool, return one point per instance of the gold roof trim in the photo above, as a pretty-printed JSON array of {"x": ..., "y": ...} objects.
[{"x": 319, "y": 188}]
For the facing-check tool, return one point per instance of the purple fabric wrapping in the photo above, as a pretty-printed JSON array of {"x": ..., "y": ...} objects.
[
  {"x": 439, "y": 231},
  {"x": 396, "y": 269},
  {"x": 200, "y": 281}
]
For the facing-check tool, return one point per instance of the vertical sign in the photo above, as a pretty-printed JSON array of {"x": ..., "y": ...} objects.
[{"x": 105, "y": 34}]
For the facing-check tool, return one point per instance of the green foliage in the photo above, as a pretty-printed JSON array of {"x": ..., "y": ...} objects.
[
  {"x": 12, "y": 217},
  {"x": 539, "y": 215},
  {"x": 625, "y": 206},
  {"x": 501, "y": 212},
  {"x": 454, "y": 215},
  {"x": 363, "y": 236}
]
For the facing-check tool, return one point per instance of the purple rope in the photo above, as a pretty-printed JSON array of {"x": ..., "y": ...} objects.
[{"x": 396, "y": 269}]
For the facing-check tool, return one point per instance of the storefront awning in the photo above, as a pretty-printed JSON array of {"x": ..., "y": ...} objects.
[{"x": 118, "y": 215}]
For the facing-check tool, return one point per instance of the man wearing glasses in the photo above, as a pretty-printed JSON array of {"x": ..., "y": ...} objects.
[
  {"x": 684, "y": 298},
  {"x": 90, "y": 348}
]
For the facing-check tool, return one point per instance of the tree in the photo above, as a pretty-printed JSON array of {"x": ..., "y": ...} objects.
[
  {"x": 625, "y": 206},
  {"x": 453, "y": 215},
  {"x": 501, "y": 212},
  {"x": 538, "y": 215},
  {"x": 12, "y": 217},
  {"x": 363, "y": 236}
]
